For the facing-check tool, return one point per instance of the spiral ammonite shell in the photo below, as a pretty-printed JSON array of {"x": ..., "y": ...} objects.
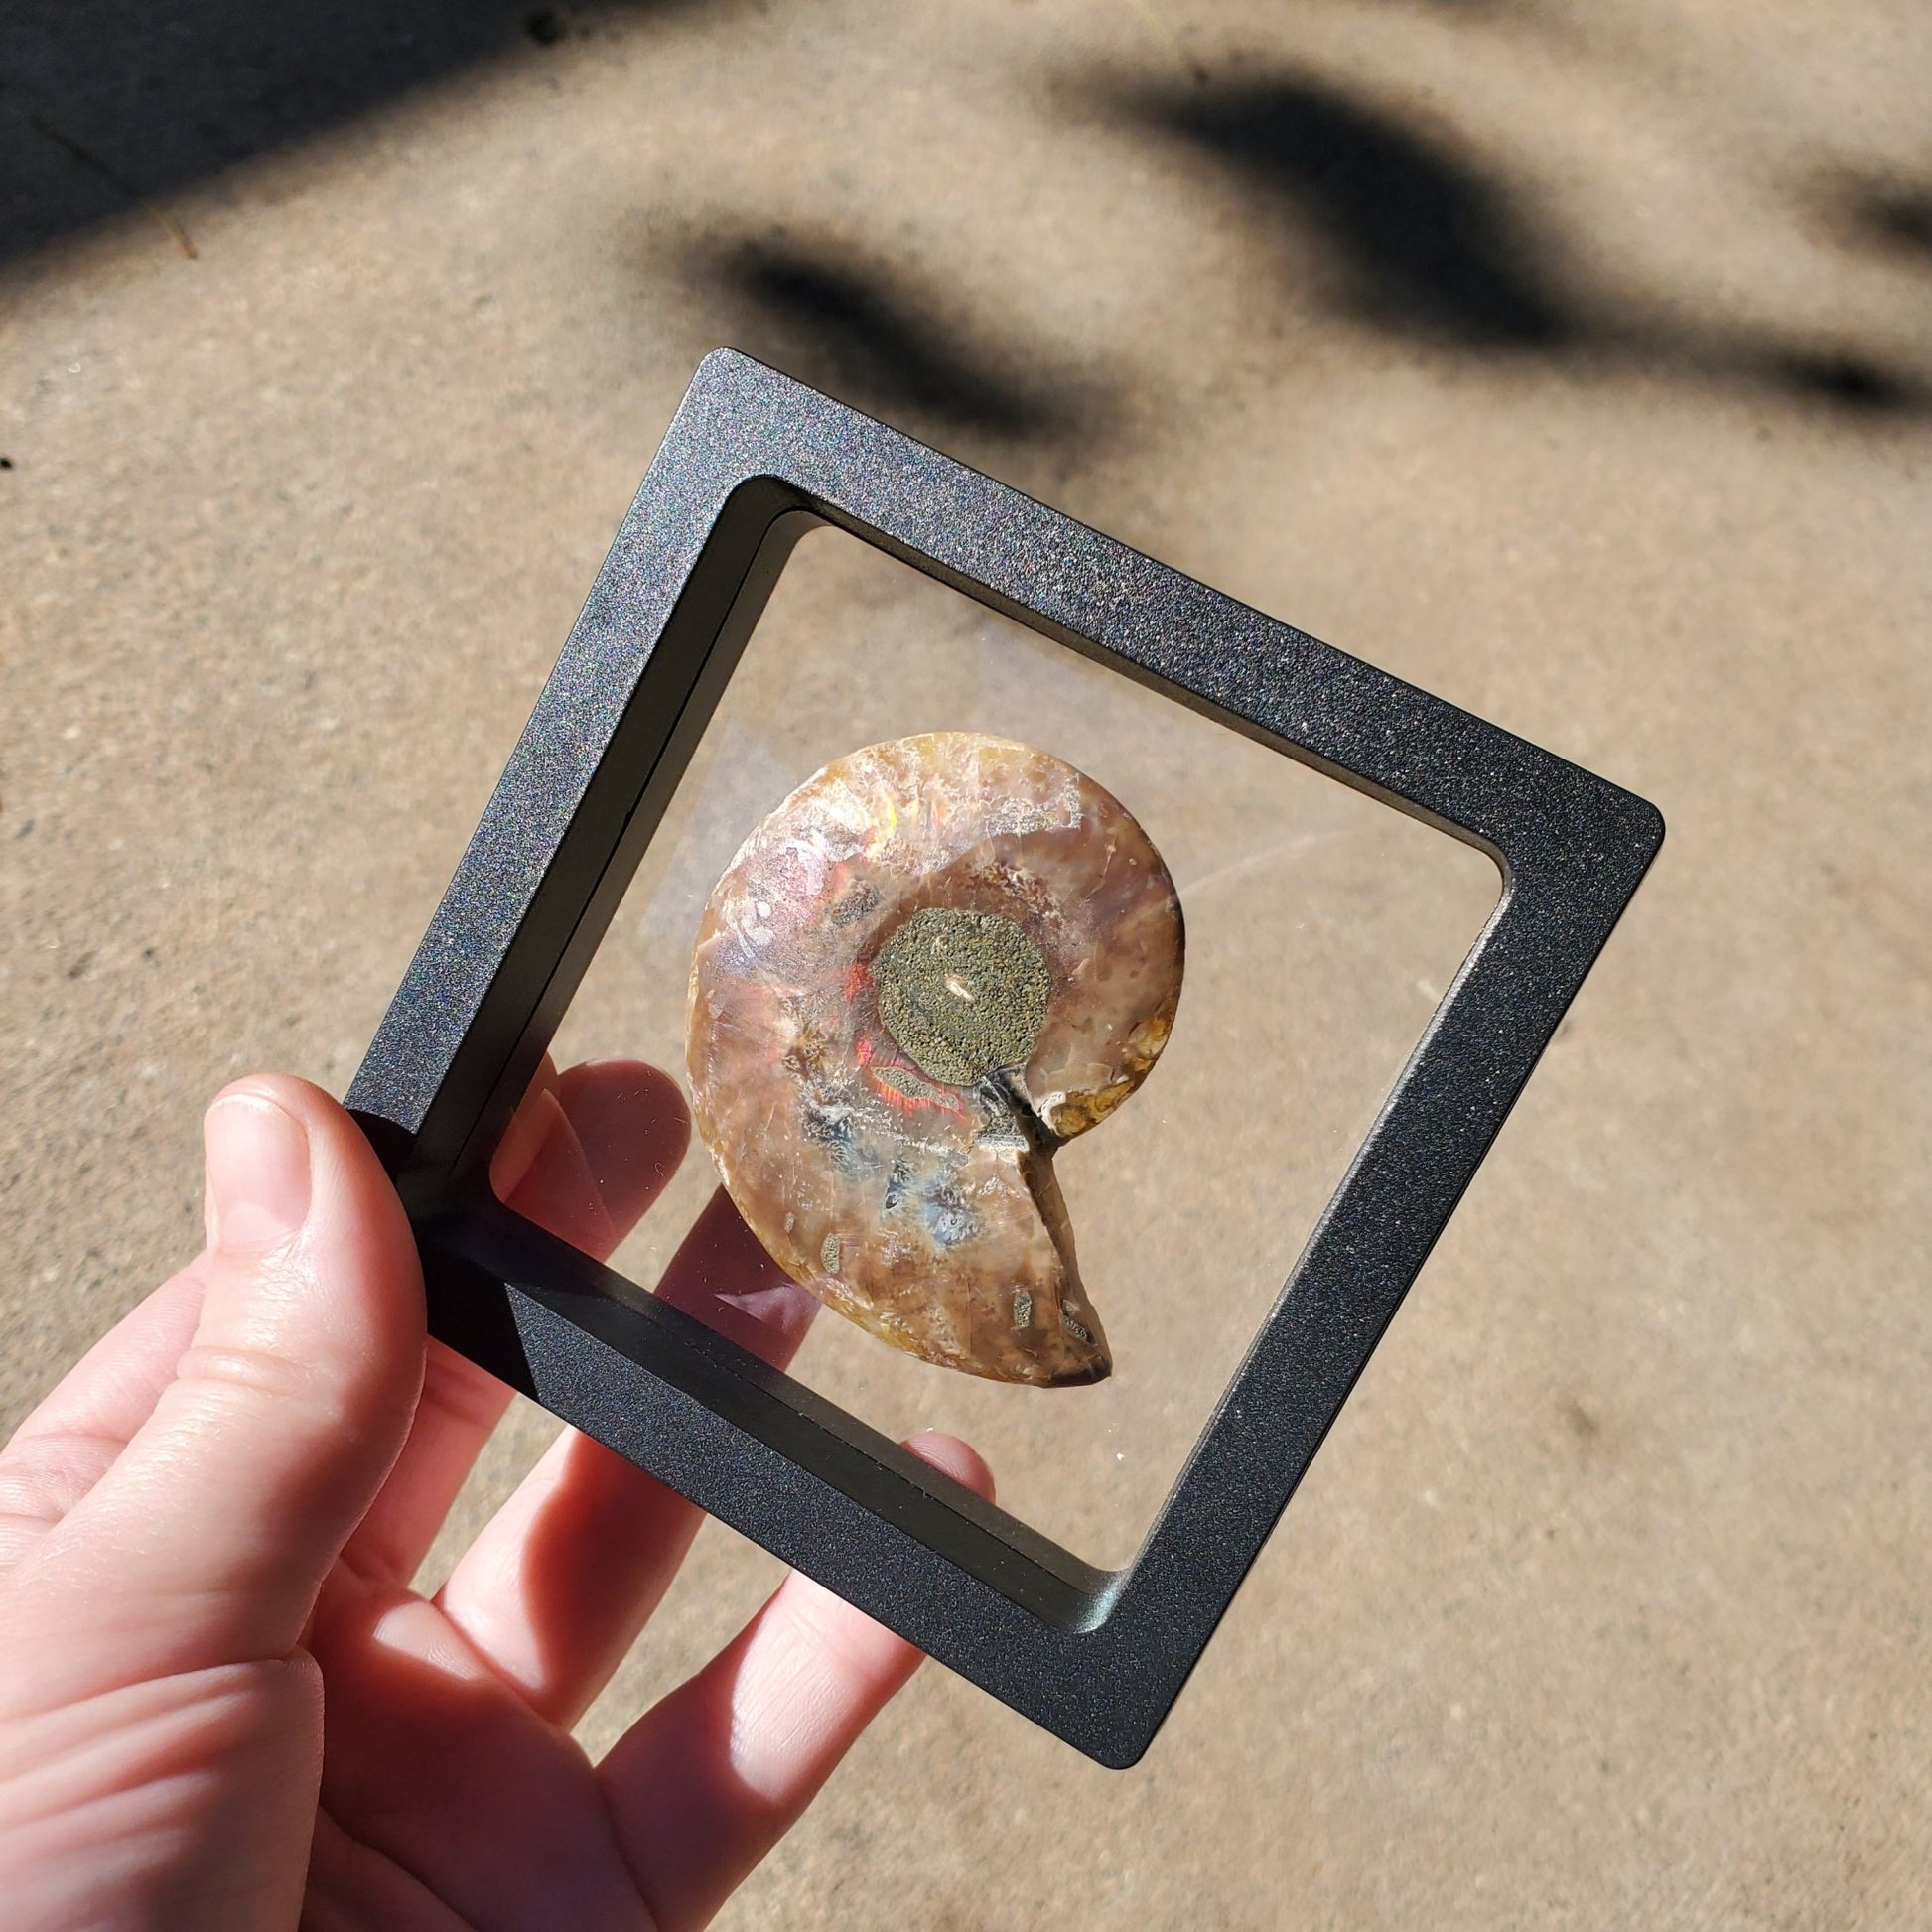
[{"x": 939, "y": 959}]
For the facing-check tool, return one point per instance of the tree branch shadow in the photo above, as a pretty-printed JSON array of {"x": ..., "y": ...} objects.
[
  {"x": 1882, "y": 216},
  {"x": 1418, "y": 239},
  {"x": 888, "y": 341}
]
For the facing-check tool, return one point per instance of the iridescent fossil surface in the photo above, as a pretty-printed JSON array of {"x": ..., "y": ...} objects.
[{"x": 937, "y": 961}]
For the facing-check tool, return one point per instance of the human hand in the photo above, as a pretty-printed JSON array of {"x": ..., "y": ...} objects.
[{"x": 222, "y": 1705}]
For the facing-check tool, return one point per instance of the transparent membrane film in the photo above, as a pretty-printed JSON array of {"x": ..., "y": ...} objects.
[{"x": 1321, "y": 931}]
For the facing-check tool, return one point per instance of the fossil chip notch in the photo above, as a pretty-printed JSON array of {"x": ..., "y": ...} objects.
[{"x": 934, "y": 963}]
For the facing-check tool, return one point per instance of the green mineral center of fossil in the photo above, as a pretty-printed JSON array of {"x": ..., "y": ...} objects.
[{"x": 962, "y": 993}]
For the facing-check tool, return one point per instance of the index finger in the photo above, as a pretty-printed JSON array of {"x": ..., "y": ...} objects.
[{"x": 584, "y": 1157}]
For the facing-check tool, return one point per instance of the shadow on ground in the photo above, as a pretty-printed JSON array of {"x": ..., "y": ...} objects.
[
  {"x": 1420, "y": 239},
  {"x": 1882, "y": 216},
  {"x": 110, "y": 107},
  {"x": 888, "y": 341},
  {"x": 107, "y": 106}
]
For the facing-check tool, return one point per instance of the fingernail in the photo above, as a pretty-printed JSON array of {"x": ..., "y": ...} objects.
[{"x": 257, "y": 1171}]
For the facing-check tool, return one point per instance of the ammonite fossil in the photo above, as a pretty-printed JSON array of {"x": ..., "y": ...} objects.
[{"x": 934, "y": 963}]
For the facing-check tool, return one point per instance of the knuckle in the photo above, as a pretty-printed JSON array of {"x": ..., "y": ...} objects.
[
  {"x": 42, "y": 1479},
  {"x": 231, "y": 1375}
]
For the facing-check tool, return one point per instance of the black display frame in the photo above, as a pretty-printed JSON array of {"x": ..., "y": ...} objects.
[{"x": 752, "y": 460}]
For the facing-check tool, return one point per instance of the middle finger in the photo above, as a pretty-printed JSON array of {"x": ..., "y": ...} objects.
[{"x": 566, "y": 1574}]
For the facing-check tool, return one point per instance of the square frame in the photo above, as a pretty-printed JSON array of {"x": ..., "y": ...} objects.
[{"x": 752, "y": 460}]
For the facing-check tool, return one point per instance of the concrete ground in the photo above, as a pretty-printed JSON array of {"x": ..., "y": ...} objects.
[{"x": 1572, "y": 363}]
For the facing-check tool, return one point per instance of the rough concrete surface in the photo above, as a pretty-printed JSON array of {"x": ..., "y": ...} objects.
[{"x": 1571, "y": 362}]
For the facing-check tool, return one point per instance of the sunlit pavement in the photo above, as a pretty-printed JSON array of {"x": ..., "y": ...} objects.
[{"x": 1573, "y": 364}]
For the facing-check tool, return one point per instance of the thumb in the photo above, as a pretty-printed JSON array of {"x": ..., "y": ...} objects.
[{"x": 209, "y": 1539}]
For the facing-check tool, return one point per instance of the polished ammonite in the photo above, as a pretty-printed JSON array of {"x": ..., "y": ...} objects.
[{"x": 937, "y": 960}]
